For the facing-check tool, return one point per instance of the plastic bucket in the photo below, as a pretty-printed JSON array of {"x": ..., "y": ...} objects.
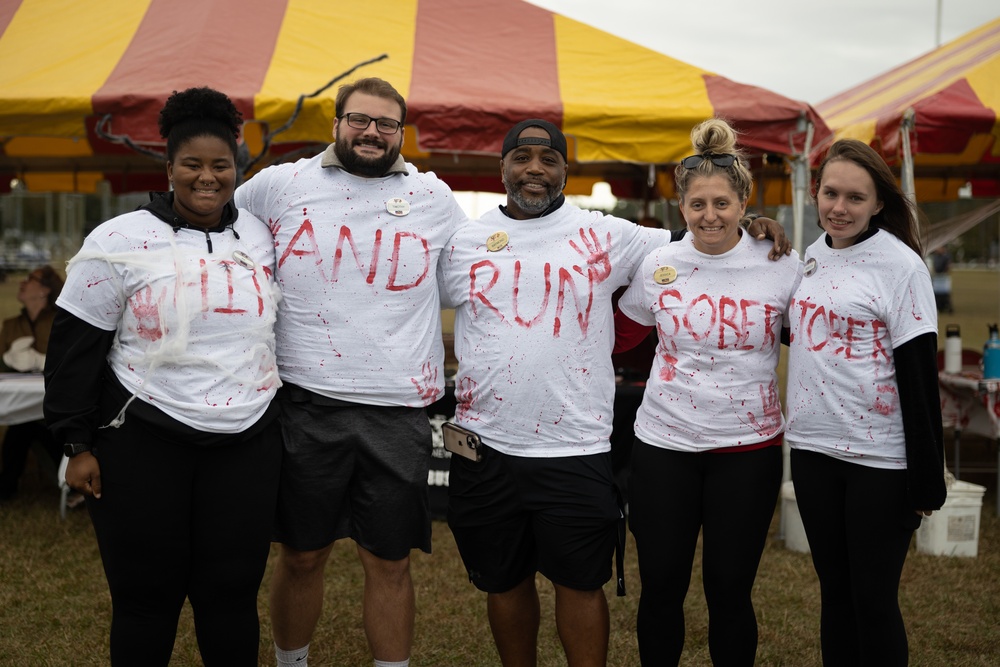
[{"x": 954, "y": 529}]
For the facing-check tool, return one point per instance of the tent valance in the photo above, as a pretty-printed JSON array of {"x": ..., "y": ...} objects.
[
  {"x": 468, "y": 69},
  {"x": 945, "y": 102}
]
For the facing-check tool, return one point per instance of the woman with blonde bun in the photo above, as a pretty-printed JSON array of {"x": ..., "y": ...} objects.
[{"x": 707, "y": 456}]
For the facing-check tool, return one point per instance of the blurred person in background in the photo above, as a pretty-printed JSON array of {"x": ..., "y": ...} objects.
[
  {"x": 24, "y": 340},
  {"x": 941, "y": 279}
]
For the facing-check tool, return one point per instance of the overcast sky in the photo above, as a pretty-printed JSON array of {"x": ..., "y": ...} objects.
[{"x": 804, "y": 49}]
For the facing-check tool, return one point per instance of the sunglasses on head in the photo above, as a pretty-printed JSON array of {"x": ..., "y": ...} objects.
[{"x": 723, "y": 160}]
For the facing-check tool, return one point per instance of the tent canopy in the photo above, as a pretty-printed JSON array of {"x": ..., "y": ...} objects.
[
  {"x": 952, "y": 95},
  {"x": 468, "y": 70}
]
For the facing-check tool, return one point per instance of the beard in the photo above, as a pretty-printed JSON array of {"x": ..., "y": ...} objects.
[
  {"x": 363, "y": 166},
  {"x": 533, "y": 204}
]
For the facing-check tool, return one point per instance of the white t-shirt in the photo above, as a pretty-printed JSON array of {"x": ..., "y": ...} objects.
[
  {"x": 194, "y": 328},
  {"x": 714, "y": 380},
  {"x": 534, "y": 328},
  {"x": 852, "y": 308},
  {"x": 360, "y": 318}
]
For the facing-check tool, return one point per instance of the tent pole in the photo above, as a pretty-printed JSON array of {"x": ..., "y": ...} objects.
[
  {"x": 906, "y": 172},
  {"x": 800, "y": 183},
  {"x": 647, "y": 205}
]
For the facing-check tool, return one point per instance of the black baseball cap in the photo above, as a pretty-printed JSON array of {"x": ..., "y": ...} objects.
[{"x": 556, "y": 140}]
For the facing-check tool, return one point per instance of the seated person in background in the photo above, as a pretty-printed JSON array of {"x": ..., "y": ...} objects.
[{"x": 23, "y": 340}]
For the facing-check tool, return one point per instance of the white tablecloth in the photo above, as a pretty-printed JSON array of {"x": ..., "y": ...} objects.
[
  {"x": 21, "y": 397},
  {"x": 969, "y": 403}
]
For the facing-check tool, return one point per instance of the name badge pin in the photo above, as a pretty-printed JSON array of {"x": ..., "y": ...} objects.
[
  {"x": 397, "y": 206},
  {"x": 665, "y": 275},
  {"x": 497, "y": 241},
  {"x": 810, "y": 267},
  {"x": 243, "y": 259}
]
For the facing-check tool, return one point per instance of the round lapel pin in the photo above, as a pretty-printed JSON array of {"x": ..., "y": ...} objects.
[
  {"x": 665, "y": 275},
  {"x": 397, "y": 206},
  {"x": 497, "y": 241},
  {"x": 243, "y": 259}
]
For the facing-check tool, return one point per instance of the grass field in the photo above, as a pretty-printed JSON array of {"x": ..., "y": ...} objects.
[{"x": 55, "y": 607}]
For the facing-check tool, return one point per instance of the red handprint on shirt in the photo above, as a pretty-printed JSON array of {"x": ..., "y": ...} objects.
[
  {"x": 598, "y": 259},
  {"x": 771, "y": 409},
  {"x": 668, "y": 370},
  {"x": 887, "y": 399},
  {"x": 465, "y": 392},
  {"x": 146, "y": 310},
  {"x": 426, "y": 386}
]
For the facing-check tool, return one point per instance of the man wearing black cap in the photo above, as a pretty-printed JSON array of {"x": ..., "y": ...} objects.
[
  {"x": 532, "y": 283},
  {"x": 548, "y": 138}
]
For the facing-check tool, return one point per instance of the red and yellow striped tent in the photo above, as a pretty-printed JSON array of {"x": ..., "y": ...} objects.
[
  {"x": 947, "y": 101},
  {"x": 75, "y": 72}
]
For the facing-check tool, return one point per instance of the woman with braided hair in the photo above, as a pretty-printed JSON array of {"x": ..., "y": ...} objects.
[{"x": 159, "y": 380}]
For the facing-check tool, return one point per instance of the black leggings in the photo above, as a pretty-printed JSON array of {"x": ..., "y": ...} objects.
[
  {"x": 859, "y": 531},
  {"x": 178, "y": 520},
  {"x": 673, "y": 495}
]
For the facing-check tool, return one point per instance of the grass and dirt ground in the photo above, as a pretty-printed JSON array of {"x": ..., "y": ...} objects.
[{"x": 55, "y": 608}]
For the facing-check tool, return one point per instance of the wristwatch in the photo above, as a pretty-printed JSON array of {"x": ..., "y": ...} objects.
[{"x": 71, "y": 449}]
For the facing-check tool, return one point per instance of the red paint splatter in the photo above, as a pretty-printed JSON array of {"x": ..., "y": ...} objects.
[
  {"x": 668, "y": 371},
  {"x": 426, "y": 254},
  {"x": 545, "y": 299},
  {"x": 887, "y": 400},
  {"x": 822, "y": 327},
  {"x": 465, "y": 395}
]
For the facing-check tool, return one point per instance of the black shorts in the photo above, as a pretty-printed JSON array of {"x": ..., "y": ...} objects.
[
  {"x": 352, "y": 470},
  {"x": 512, "y": 516}
]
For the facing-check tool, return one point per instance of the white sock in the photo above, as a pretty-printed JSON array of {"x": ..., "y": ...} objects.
[
  {"x": 294, "y": 658},
  {"x": 383, "y": 663}
]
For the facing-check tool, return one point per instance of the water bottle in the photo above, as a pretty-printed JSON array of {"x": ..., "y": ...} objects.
[
  {"x": 991, "y": 355},
  {"x": 952, "y": 349}
]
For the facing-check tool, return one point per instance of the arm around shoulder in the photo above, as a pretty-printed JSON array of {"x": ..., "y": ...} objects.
[
  {"x": 628, "y": 332},
  {"x": 760, "y": 228}
]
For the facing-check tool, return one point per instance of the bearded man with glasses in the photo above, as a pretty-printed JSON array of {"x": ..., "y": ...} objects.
[{"x": 357, "y": 232}]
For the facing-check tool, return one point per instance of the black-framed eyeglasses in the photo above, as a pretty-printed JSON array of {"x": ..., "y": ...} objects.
[
  {"x": 721, "y": 160},
  {"x": 360, "y": 121}
]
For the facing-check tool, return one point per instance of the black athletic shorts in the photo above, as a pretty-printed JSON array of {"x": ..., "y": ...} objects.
[
  {"x": 512, "y": 516},
  {"x": 352, "y": 470}
]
